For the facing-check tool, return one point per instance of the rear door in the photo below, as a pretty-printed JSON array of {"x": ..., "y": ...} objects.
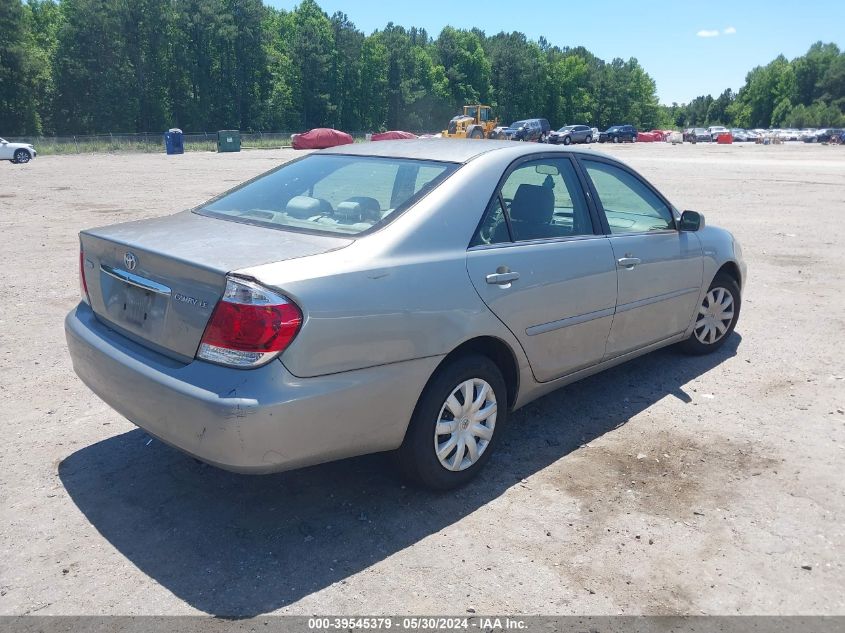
[
  {"x": 541, "y": 265},
  {"x": 659, "y": 268}
]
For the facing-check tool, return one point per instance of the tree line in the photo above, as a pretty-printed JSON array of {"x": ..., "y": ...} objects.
[
  {"x": 808, "y": 91},
  {"x": 89, "y": 66},
  {"x": 94, "y": 66}
]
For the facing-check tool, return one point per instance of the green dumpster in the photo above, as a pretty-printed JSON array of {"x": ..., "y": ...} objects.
[{"x": 229, "y": 141}]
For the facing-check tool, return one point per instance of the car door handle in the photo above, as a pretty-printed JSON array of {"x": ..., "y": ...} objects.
[
  {"x": 502, "y": 278},
  {"x": 628, "y": 262}
]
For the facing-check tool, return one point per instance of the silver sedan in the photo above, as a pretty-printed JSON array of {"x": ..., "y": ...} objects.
[{"x": 398, "y": 296}]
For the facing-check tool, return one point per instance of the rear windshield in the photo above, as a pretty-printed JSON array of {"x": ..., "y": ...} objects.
[{"x": 331, "y": 193}]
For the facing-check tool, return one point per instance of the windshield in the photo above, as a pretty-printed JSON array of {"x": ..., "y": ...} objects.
[
  {"x": 331, "y": 193},
  {"x": 2, "y": 140},
  {"x": 519, "y": 124},
  {"x": 614, "y": 128},
  {"x": 566, "y": 128}
]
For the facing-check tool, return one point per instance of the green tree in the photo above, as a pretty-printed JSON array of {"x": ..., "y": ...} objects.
[
  {"x": 20, "y": 75},
  {"x": 93, "y": 72}
]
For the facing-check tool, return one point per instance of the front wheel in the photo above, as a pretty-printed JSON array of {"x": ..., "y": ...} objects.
[
  {"x": 455, "y": 425},
  {"x": 22, "y": 157},
  {"x": 476, "y": 133},
  {"x": 567, "y": 140},
  {"x": 716, "y": 317}
]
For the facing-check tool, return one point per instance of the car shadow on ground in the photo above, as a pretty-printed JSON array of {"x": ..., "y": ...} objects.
[{"x": 238, "y": 545}]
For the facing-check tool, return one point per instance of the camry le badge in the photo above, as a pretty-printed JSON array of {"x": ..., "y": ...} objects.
[{"x": 130, "y": 261}]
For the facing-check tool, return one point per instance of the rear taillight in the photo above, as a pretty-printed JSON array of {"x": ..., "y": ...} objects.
[
  {"x": 249, "y": 326},
  {"x": 83, "y": 285}
]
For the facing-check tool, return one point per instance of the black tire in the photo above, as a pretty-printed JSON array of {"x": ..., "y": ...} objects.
[
  {"x": 416, "y": 458},
  {"x": 476, "y": 133},
  {"x": 567, "y": 140},
  {"x": 589, "y": 139},
  {"x": 22, "y": 157},
  {"x": 615, "y": 139},
  {"x": 693, "y": 345}
]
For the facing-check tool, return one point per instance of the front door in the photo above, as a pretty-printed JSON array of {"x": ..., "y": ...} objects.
[
  {"x": 659, "y": 268},
  {"x": 541, "y": 265}
]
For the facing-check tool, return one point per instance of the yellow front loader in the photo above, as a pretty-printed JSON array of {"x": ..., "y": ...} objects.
[{"x": 476, "y": 122}]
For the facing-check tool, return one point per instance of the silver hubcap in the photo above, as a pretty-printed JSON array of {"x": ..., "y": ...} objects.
[
  {"x": 465, "y": 425},
  {"x": 23, "y": 157},
  {"x": 714, "y": 316}
]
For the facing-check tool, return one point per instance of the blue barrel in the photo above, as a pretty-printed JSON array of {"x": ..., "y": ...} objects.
[{"x": 174, "y": 141}]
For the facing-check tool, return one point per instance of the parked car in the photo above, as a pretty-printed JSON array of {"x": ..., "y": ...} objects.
[
  {"x": 741, "y": 135},
  {"x": 619, "y": 134},
  {"x": 528, "y": 130},
  {"x": 571, "y": 134},
  {"x": 302, "y": 317},
  {"x": 825, "y": 135},
  {"x": 697, "y": 135},
  {"x": 498, "y": 132},
  {"x": 16, "y": 152},
  {"x": 716, "y": 130}
]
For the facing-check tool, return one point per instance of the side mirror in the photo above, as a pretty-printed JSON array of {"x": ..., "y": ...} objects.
[{"x": 691, "y": 221}]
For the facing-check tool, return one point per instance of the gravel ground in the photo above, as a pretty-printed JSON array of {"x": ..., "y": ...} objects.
[{"x": 670, "y": 485}]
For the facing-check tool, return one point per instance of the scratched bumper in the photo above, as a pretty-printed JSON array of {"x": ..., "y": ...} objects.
[{"x": 254, "y": 421}]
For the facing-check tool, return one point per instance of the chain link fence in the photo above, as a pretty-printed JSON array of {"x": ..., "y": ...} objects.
[{"x": 152, "y": 142}]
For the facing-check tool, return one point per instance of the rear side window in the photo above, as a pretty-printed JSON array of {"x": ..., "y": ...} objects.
[
  {"x": 543, "y": 199},
  {"x": 331, "y": 193},
  {"x": 629, "y": 204}
]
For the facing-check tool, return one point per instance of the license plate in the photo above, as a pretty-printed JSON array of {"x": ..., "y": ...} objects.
[{"x": 136, "y": 305}]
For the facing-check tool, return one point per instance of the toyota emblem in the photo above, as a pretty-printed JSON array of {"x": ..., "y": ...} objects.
[{"x": 130, "y": 261}]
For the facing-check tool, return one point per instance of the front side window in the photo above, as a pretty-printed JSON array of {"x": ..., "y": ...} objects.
[
  {"x": 630, "y": 205},
  {"x": 331, "y": 193},
  {"x": 543, "y": 199}
]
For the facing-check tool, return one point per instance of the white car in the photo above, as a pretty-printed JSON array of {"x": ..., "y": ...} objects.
[
  {"x": 16, "y": 152},
  {"x": 715, "y": 130}
]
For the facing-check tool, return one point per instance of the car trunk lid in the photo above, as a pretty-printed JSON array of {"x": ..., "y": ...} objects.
[{"x": 157, "y": 281}]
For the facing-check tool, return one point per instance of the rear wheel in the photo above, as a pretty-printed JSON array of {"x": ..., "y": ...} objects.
[
  {"x": 589, "y": 140},
  {"x": 615, "y": 139},
  {"x": 22, "y": 156},
  {"x": 456, "y": 424},
  {"x": 716, "y": 317}
]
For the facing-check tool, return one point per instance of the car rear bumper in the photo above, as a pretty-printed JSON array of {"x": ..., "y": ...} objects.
[{"x": 253, "y": 421}]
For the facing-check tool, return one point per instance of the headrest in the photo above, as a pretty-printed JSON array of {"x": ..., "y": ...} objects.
[
  {"x": 533, "y": 204},
  {"x": 304, "y": 207},
  {"x": 370, "y": 207},
  {"x": 349, "y": 211}
]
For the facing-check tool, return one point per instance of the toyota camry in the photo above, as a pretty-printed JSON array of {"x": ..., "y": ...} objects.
[{"x": 402, "y": 296}]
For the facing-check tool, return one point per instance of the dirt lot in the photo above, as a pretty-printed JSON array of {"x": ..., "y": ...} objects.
[{"x": 667, "y": 485}]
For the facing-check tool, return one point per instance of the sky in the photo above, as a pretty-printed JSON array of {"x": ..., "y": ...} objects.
[{"x": 689, "y": 48}]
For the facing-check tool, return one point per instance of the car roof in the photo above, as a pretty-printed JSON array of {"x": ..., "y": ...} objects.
[{"x": 441, "y": 149}]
